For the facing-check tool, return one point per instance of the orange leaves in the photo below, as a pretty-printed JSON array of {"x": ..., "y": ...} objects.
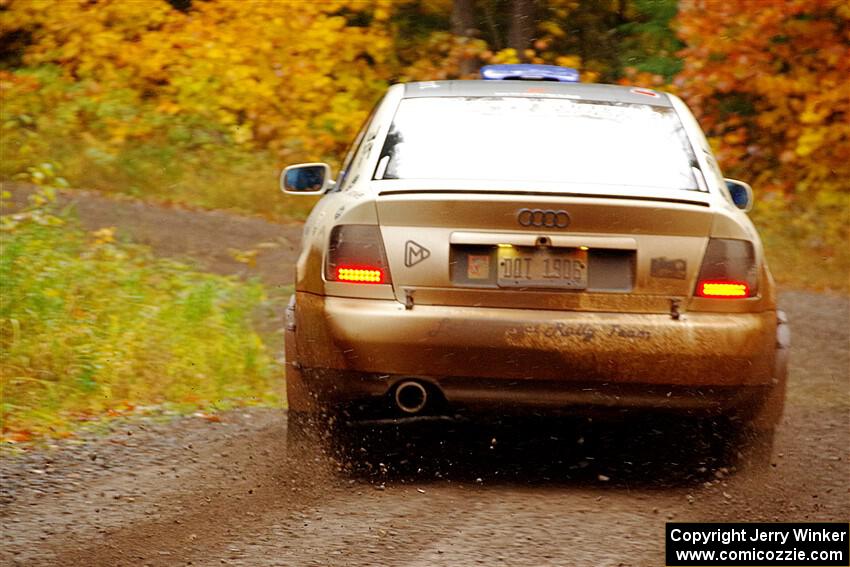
[
  {"x": 770, "y": 86},
  {"x": 770, "y": 83},
  {"x": 211, "y": 417},
  {"x": 17, "y": 436}
]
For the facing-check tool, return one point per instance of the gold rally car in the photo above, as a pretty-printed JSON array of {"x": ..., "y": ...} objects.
[{"x": 527, "y": 242}]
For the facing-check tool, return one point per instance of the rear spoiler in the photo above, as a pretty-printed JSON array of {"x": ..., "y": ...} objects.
[{"x": 699, "y": 198}]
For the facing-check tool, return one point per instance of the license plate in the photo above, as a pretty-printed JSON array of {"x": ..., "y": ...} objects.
[{"x": 560, "y": 268}]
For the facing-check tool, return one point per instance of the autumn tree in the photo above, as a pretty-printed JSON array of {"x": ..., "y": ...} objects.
[
  {"x": 769, "y": 82},
  {"x": 296, "y": 77},
  {"x": 522, "y": 24},
  {"x": 464, "y": 25}
]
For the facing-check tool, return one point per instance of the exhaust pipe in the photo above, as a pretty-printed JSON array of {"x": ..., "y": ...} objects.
[{"x": 411, "y": 397}]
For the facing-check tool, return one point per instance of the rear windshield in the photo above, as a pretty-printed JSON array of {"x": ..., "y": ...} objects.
[{"x": 537, "y": 140}]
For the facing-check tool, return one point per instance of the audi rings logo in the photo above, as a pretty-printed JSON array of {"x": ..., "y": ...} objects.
[{"x": 540, "y": 218}]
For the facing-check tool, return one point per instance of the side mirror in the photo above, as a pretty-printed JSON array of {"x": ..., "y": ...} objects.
[
  {"x": 741, "y": 193},
  {"x": 306, "y": 179}
]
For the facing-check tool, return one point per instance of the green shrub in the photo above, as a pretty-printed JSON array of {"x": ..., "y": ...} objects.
[{"x": 91, "y": 326}]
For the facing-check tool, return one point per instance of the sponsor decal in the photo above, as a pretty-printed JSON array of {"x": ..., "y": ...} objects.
[
  {"x": 628, "y": 333},
  {"x": 478, "y": 266},
  {"x": 414, "y": 253},
  {"x": 583, "y": 332},
  {"x": 676, "y": 269}
]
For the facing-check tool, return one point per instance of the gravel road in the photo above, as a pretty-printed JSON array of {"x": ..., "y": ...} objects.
[
  {"x": 210, "y": 239},
  {"x": 196, "y": 491}
]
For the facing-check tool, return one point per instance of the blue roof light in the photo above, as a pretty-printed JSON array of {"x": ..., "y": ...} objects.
[{"x": 529, "y": 72}]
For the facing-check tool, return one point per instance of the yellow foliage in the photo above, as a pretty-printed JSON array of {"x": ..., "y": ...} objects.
[
  {"x": 273, "y": 72},
  {"x": 294, "y": 78}
]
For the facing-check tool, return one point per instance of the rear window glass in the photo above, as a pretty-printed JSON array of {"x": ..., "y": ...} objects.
[{"x": 537, "y": 139}]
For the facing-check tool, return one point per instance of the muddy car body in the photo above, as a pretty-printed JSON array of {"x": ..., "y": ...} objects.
[{"x": 535, "y": 246}]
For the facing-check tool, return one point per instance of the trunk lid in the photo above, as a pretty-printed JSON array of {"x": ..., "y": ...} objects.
[{"x": 596, "y": 249}]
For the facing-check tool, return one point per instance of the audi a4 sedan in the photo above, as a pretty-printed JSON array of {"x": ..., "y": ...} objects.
[{"x": 530, "y": 243}]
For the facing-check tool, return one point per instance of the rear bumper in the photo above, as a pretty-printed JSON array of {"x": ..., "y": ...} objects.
[{"x": 349, "y": 349}]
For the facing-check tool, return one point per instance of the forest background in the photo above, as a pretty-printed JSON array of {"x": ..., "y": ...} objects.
[{"x": 201, "y": 102}]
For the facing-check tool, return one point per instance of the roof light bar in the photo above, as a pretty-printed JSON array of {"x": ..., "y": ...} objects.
[{"x": 528, "y": 72}]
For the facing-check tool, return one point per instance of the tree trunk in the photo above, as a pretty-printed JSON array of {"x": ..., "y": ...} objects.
[
  {"x": 464, "y": 24},
  {"x": 463, "y": 18},
  {"x": 523, "y": 23}
]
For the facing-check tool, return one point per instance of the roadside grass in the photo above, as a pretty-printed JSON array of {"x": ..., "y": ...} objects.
[
  {"x": 807, "y": 245},
  {"x": 92, "y": 328},
  {"x": 119, "y": 142},
  {"x": 796, "y": 266},
  {"x": 226, "y": 177}
]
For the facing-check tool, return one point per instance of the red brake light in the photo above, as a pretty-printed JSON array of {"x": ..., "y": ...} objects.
[
  {"x": 359, "y": 274},
  {"x": 356, "y": 255},
  {"x": 728, "y": 270},
  {"x": 723, "y": 289}
]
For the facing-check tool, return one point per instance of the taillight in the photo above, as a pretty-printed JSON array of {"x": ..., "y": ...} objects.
[
  {"x": 359, "y": 274},
  {"x": 356, "y": 255},
  {"x": 728, "y": 270},
  {"x": 726, "y": 289}
]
